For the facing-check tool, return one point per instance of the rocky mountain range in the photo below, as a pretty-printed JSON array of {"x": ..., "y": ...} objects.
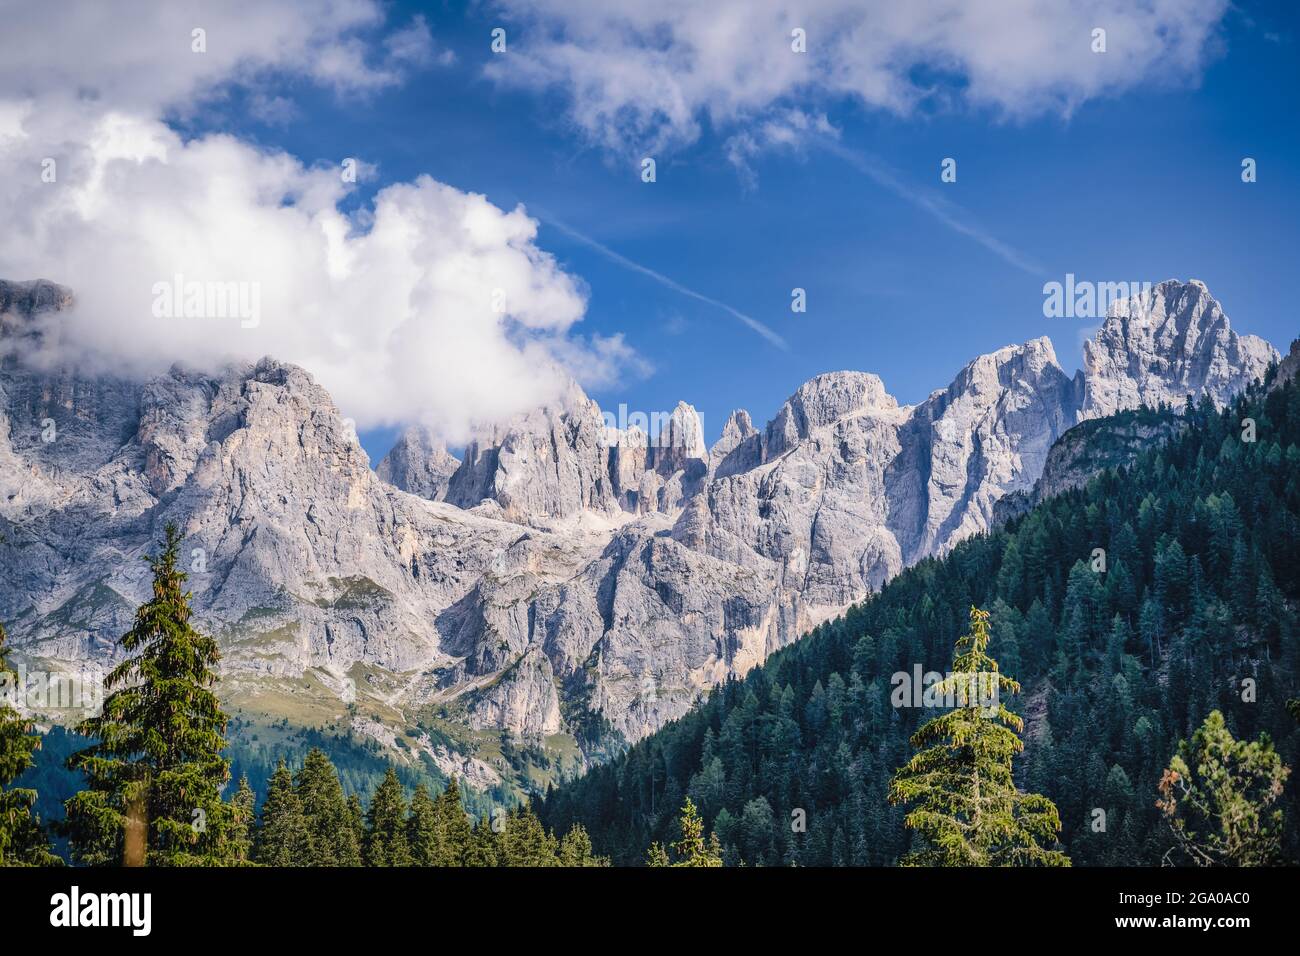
[{"x": 563, "y": 581}]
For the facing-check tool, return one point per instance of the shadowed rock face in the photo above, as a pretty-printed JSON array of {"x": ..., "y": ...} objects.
[
  {"x": 561, "y": 567},
  {"x": 1288, "y": 367},
  {"x": 1093, "y": 445},
  {"x": 419, "y": 463}
]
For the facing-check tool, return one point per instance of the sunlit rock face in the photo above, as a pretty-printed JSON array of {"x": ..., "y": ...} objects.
[{"x": 559, "y": 568}]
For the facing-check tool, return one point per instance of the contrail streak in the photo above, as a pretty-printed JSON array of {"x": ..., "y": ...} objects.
[
  {"x": 666, "y": 281},
  {"x": 936, "y": 206}
]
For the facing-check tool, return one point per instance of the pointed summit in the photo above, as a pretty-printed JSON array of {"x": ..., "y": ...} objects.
[
  {"x": 1164, "y": 344},
  {"x": 419, "y": 463}
]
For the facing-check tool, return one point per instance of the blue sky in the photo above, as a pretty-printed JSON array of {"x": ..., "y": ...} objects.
[{"x": 1140, "y": 185}]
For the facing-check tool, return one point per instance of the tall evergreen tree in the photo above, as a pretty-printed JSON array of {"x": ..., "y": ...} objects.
[
  {"x": 422, "y": 835},
  {"x": 482, "y": 849},
  {"x": 525, "y": 842},
  {"x": 282, "y": 839},
  {"x": 22, "y": 840},
  {"x": 575, "y": 849},
  {"x": 357, "y": 821},
  {"x": 454, "y": 832},
  {"x": 325, "y": 813},
  {"x": 966, "y": 805},
  {"x": 692, "y": 849},
  {"x": 156, "y": 760},
  {"x": 386, "y": 825},
  {"x": 1218, "y": 796},
  {"x": 243, "y": 807}
]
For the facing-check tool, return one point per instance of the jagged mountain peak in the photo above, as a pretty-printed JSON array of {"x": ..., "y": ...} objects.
[
  {"x": 420, "y": 463},
  {"x": 1034, "y": 361},
  {"x": 739, "y": 448},
  {"x": 823, "y": 400},
  {"x": 562, "y": 562},
  {"x": 680, "y": 441},
  {"x": 33, "y": 295},
  {"x": 1165, "y": 343}
]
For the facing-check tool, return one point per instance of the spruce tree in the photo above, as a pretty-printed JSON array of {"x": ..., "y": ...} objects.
[
  {"x": 357, "y": 820},
  {"x": 386, "y": 825},
  {"x": 22, "y": 840},
  {"x": 575, "y": 849},
  {"x": 1218, "y": 796},
  {"x": 156, "y": 763},
  {"x": 243, "y": 807},
  {"x": 482, "y": 849},
  {"x": 691, "y": 849},
  {"x": 657, "y": 856},
  {"x": 282, "y": 839},
  {"x": 454, "y": 832},
  {"x": 525, "y": 842},
  {"x": 325, "y": 813},
  {"x": 422, "y": 835},
  {"x": 965, "y": 803}
]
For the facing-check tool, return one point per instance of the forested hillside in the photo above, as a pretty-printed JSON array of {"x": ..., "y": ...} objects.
[{"x": 1129, "y": 610}]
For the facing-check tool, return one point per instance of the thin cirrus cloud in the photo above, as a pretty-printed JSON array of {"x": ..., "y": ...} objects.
[
  {"x": 946, "y": 212},
  {"x": 753, "y": 324},
  {"x": 432, "y": 305},
  {"x": 797, "y": 130}
]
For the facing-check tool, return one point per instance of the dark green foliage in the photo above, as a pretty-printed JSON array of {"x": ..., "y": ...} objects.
[
  {"x": 453, "y": 828},
  {"x": 386, "y": 826},
  {"x": 282, "y": 839},
  {"x": 482, "y": 849},
  {"x": 1202, "y": 549},
  {"x": 524, "y": 842},
  {"x": 422, "y": 829},
  {"x": 307, "y": 822},
  {"x": 575, "y": 849},
  {"x": 357, "y": 819},
  {"x": 156, "y": 764},
  {"x": 243, "y": 822},
  {"x": 438, "y": 830},
  {"x": 330, "y": 835},
  {"x": 518, "y": 838},
  {"x": 360, "y": 762},
  {"x": 22, "y": 840}
]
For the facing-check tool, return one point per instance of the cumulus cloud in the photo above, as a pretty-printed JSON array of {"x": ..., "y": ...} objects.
[
  {"x": 430, "y": 305},
  {"x": 442, "y": 309},
  {"x": 141, "y": 56},
  {"x": 650, "y": 74}
]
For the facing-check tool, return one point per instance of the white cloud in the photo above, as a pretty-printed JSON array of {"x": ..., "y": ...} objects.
[
  {"x": 443, "y": 310},
  {"x": 138, "y": 55},
  {"x": 789, "y": 129},
  {"x": 647, "y": 75},
  {"x": 430, "y": 305},
  {"x": 414, "y": 44}
]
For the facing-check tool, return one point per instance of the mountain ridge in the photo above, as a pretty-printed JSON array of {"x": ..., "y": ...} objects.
[
  {"x": 577, "y": 580},
  {"x": 1130, "y": 609}
]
